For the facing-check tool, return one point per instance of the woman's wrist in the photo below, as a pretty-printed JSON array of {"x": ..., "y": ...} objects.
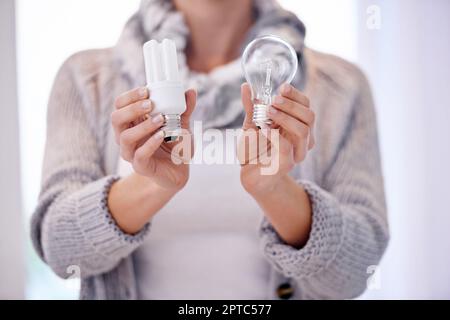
[
  {"x": 287, "y": 207},
  {"x": 265, "y": 185},
  {"x": 134, "y": 200}
]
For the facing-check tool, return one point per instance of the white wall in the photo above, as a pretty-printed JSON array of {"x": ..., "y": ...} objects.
[
  {"x": 12, "y": 273},
  {"x": 331, "y": 25},
  {"x": 408, "y": 61}
]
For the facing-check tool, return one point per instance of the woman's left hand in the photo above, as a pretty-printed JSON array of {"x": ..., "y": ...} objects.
[{"x": 282, "y": 150}]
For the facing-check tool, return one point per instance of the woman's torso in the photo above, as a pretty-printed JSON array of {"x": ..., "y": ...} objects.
[
  {"x": 204, "y": 244},
  {"x": 331, "y": 85}
]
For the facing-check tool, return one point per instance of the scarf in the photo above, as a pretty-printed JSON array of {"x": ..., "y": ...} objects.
[{"x": 219, "y": 102}]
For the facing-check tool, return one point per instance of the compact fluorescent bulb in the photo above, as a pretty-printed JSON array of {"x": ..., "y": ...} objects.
[{"x": 165, "y": 86}]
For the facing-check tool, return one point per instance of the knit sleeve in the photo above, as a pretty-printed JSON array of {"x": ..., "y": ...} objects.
[
  {"x": 72, "y": 225},
  {"x": 349, "y": 229}
]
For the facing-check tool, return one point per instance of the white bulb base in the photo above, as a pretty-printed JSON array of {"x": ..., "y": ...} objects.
[
  {"x": 260, "y": 117},
  {"x": 169, "y": 100}
]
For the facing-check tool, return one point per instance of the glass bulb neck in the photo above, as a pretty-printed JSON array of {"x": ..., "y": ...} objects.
[{"x": 265, "y": 97}]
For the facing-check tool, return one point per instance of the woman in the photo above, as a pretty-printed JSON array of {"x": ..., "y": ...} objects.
[{"x": 108, "y": 174}]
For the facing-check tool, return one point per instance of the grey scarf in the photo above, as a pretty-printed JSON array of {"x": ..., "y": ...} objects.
[{"x": 219, "y": 103}]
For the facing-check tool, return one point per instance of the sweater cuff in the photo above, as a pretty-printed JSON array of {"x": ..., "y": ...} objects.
[
  {"x": 324, "y": 241},
  {"x": 98, "y": 225}
]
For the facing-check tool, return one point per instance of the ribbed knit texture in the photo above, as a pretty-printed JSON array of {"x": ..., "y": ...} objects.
[
  {"x": 72, "y": 225},
  {"x": 75, "y": 190}
]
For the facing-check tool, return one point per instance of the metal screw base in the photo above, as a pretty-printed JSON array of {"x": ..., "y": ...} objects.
[
  {"x": 260, "y": 118},
  {"x": 172, "y": 127}
]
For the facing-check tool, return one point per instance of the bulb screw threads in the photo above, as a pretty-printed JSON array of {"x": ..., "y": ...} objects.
[
  {"x": 260, "y": 118},
  {"x": 172, "y": 127}
]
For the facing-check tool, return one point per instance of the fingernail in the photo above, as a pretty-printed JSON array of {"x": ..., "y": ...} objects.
[
  {"x": 286, "y": 88},
  {"x": 143, "y": 92},
  {"x": 159, "y": 135},
  {"x": 147, "y": 104},
  {"x": 278, "y": 100},
  {"x": 158, "y": 119},
  {"x": 272, "y": 110}
]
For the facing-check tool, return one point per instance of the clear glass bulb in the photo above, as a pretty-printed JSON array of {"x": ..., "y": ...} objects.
[{"x": 267, "y": 62}]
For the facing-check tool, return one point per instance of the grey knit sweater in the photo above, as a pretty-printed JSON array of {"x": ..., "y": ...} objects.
[{"x": 73, "y": 227}]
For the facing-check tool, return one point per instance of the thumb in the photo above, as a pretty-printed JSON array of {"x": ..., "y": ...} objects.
[
  {"x": 246, "y": 96},
  {"x": 191, "y": 101}
]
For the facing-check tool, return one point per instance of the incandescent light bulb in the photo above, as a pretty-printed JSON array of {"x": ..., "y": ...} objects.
[{"x": 267, "y": 62}]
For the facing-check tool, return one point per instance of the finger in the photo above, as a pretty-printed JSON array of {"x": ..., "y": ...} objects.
[
  {"x": 130, "y": 138},
  {"x": 294, "y": 127},
  {"x": 247, "y": 149},
  {"x": 299, "y": 134},
  {"x": 288, "y": 91},
  {"x": 278, "y": 143},
  {"x": 246, "y": 96},
  {"x": 312, "y": 139},
  {"x": 295, "y": 109},
  {"x": 300, "y": 151},
  {"x": 191, "y": 101},
  {"x": 284, "y": 147},
  {"x": 131, "y": 96},
  {"x": 143, "y": 154},
  {"x": 122, "y": 118}
]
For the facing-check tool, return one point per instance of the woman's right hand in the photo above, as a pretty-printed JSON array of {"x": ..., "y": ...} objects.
[{"x": 142, "y": 142}]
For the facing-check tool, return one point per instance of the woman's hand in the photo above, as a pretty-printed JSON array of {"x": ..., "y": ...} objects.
[
  {"x": 268, "y": 155},
  {"x": 142, "y": 142},
  {"x": 135, "y": 199},
  {"x": 280, "y": 147}
]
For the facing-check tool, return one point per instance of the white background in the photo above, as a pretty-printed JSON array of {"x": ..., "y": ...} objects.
[
  {"x": 12, "y": 268},
  {"x": 407, "y": 62}
]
